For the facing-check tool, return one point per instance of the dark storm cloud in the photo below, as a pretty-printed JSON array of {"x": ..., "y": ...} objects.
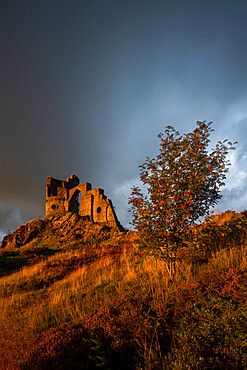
[{"x": 87, "y": 86}]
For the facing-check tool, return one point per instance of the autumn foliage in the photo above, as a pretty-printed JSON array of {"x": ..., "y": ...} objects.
[
  {"x": 104, "y": 306},
  {"x": 183, "y": 183}
]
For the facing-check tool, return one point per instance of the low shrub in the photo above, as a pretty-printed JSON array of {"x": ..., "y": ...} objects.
[
  {"x": 66, "y": 347},
  {"x": 210, "y": 322},
  {"x": 72, "y": 348}
]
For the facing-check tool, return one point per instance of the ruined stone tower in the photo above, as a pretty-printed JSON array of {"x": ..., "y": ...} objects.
[{"x": 62, "y": 197}]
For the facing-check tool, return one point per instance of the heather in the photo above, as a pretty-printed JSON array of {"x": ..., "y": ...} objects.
[{"x": 103, "y": 304}]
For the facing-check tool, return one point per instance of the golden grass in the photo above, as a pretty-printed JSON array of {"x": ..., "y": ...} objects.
[
  {"x": 235, "y": 257},
  {"x": 90, "y": 287},
  {"x": 83, "y": 290},
  {"x": 27, "y": 308},
  {"x": 222, "y": 218}
]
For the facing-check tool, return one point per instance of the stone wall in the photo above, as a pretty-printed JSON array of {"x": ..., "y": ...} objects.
[{"x": 62, "y": 197}]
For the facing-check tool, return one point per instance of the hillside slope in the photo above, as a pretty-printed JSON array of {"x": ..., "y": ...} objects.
[
  {"x": 94, "y": 300},
  {"x": 66, "y": 229},
  {"x": 40, "y": 238}
]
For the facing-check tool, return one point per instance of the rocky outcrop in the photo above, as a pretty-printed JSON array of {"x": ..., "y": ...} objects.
[
  {"x": 24, "y": 234},
  {"x": 62, "y": 230}
]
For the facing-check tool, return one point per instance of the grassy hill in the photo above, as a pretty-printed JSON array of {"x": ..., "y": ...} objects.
[{"x": 77, "y": 295}]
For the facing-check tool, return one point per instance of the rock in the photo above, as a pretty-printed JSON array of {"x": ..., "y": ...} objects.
[{"x": 56, "y": 229}]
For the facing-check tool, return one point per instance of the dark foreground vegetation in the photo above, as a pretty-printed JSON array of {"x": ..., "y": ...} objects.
[{"x": 98, "y": 302}]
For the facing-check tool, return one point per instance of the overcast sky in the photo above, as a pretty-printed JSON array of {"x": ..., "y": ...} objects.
[{"x": 86, "y": 86}]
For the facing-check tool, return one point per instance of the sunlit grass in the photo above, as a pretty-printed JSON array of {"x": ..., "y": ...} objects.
[{"x": 68, "y": 287}]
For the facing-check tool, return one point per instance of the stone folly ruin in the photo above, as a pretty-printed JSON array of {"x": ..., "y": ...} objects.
[{"x": 63, "y": 197}]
